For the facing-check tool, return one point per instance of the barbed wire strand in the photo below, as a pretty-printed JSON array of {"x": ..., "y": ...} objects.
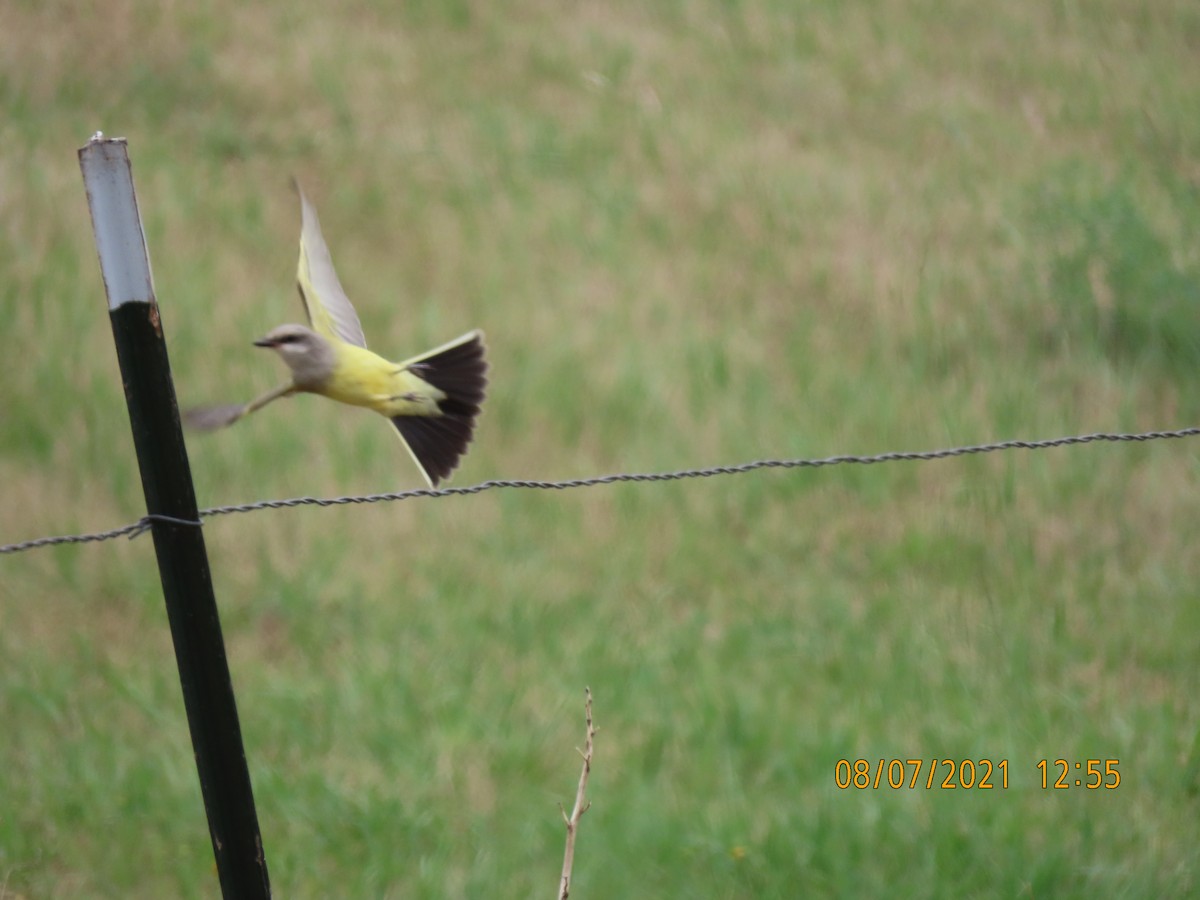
[{"x": 143, "y": 524}]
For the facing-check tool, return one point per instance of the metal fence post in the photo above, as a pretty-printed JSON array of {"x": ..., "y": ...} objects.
[{"x": 179, "y": 545}]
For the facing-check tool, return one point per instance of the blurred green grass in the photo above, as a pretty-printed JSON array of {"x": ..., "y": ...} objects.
[{"x": 695, "y": 233}]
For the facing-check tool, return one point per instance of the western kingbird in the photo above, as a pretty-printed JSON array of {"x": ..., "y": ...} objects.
[{"x": 432, "y": 399}]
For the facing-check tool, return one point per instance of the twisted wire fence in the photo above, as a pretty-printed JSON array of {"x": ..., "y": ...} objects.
[{"x": 135, "y": 528}]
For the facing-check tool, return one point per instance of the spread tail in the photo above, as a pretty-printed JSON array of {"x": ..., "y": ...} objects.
[{"x": 459, "y": 371}]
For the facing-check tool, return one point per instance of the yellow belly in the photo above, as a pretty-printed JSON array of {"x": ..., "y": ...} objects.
[{"x": 363, "y": 378}]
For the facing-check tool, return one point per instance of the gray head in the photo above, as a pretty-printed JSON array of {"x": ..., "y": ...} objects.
[{"x": 310, "y": 356}]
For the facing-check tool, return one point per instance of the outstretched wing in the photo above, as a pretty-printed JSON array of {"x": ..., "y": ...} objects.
[{"x": 329, "y": 309}]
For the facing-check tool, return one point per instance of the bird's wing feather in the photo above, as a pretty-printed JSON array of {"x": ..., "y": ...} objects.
[{"x": 329, "y": 309}]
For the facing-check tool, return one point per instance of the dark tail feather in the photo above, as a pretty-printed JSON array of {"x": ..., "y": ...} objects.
[{"x": 460, "y": 372}]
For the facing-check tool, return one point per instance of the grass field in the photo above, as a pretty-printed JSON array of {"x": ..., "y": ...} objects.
[{"x": 695, "y": 233}]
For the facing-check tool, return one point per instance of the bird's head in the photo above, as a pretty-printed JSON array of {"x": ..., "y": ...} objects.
[{"x": 310, "y": 356}]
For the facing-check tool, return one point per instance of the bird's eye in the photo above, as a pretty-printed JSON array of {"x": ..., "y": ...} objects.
[{"x": 288, "y": 339}]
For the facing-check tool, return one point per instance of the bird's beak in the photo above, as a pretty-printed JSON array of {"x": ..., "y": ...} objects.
[{"x": 264, "y": 342}]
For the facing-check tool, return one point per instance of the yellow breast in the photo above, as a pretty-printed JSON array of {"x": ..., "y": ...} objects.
[{"x": 363, "y": 378}]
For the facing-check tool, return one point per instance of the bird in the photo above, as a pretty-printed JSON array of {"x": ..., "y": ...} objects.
[{"x": 433, "y": 400}]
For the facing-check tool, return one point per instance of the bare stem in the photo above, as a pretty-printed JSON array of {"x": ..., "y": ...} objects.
[{"x": 582, "y": 804}]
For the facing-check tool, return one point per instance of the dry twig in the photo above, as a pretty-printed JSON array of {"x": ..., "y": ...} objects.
[{"x": 582, "y": 804}]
